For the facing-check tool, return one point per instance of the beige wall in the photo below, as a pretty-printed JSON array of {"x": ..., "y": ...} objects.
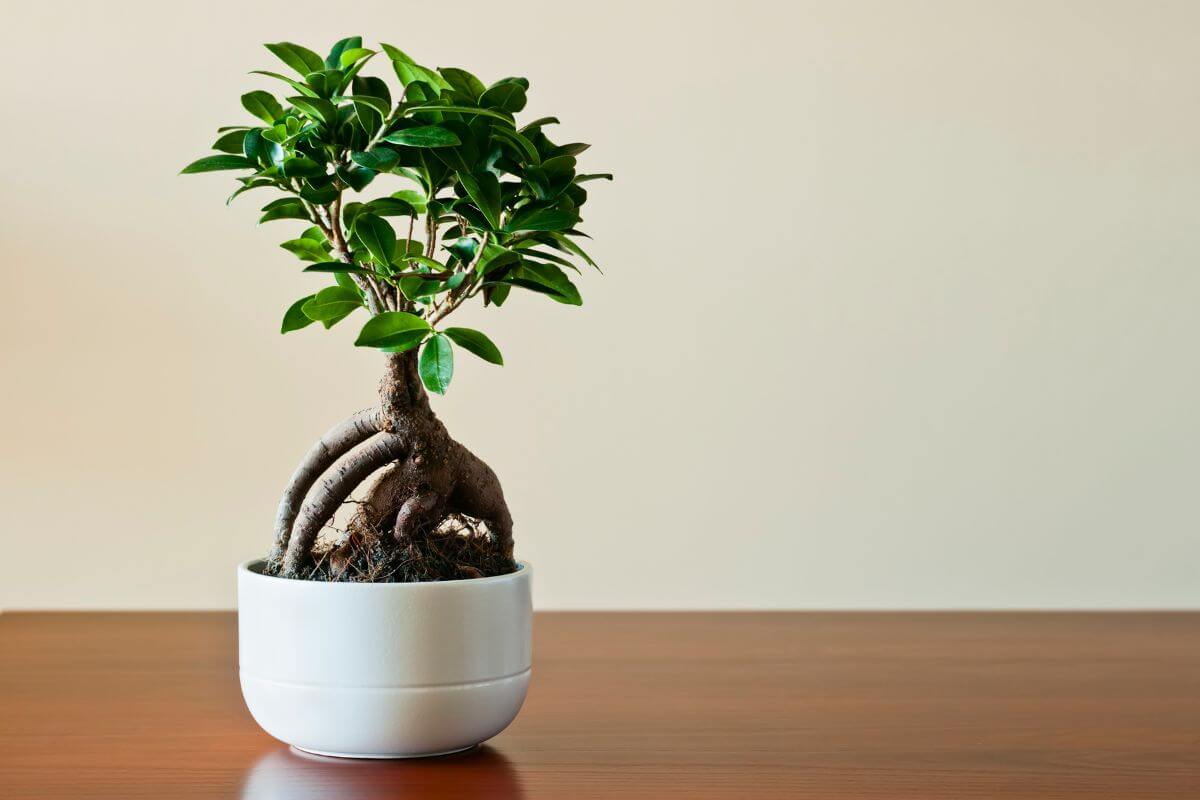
[{"x": 902, "y": 304}]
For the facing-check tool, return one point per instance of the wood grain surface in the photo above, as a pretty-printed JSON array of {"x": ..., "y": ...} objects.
[{"x": 640, "y": 705}]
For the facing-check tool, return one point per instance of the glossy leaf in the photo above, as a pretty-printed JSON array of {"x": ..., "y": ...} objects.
[
  {"x": 215, "y": 163},
  {"x": 436, "y": 364},
  {"x": 337, "y": 266},
  {"x": 469, "y": 110},
  {"x": 484, "y": 189},
  {"x": 541, "y": 219},
  {"x": 284, "y": 208},
  {"x": 391, "y": 207},
  {"x": 301, "y": 167},
  {"x": 305, "y": 249},
  {"x": 230, "y": 142},
  {"x": 315, "y": 108},
  {"x": 547, "y": 279},
  {"x": 294, "y": 318},
  {"x": 424, "y": 136},
  {"x": 302, "y": 88},
  {"x": 377, "y": 236},
  {"x": 379, "y": 159},
  {"x": 356, "y": 177},
  {"x": 505, "y": 95},
  {"x": 297, "y": 57},
  {"x": 476, "y": 342},
  {"x": 377, "y": 104},
  {"x": 352, "y": 55},
  {"x": 330, "y": 303},
  {"x": 391, "y": 329},
  {"x": 339, "y": 50},
  {"x": 262, "y": 105},
  {"x": 463, "y": 82}
]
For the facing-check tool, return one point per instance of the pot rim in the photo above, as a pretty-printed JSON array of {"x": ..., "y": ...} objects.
[{"x": 252, "y": 566}]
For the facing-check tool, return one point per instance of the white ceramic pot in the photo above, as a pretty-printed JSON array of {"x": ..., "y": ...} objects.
[{"x": 384, "y": 670}]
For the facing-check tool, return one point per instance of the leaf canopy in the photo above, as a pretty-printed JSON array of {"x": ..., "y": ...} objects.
[{"x": 485, "y": 203}]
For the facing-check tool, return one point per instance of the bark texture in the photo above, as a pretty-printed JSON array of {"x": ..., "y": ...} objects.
[
  {"x": 435, "y": 512},
  {"x": 336, "y": 442}
]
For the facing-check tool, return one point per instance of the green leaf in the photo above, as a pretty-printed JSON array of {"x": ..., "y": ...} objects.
[
  {"x": 255, "y": 146},
  {"x": 254, "y": 183},
  {"x": 459, "y": 110},
  {"x": 541, "y": 219},
  {"x": 315, "y": 108},
  {"x": 319, "y": 195},
  {"x": 377, "y": 236},
  {"x": 494, "y": 257},
  {"x": 284, "y": 208},
  {"x": 522, "y": 143},
  {"x": 391, "y": 207},
  {"x": 215, "y": 163},
  {"x": 302, "y": 88},
  {"x": 539, "y": 122},
  {"x": 477, "y": 343},
  {"x": 437, "y": 266},
  {"x": 391, "y": 329},
  {"x": 356, "y": 177},
  {"x": 547, "y": 279},
  {"x": 564, "y": 243},
  {"x": 496, "y": 294},
  {"x": 346, "y": 281},
  {"x": 573, "y": 149},
  {"x": 507, "y": 95},
  {"x": 230, "y": 142},
  {"x": 599, "y": 176},
  {"x": 305, "y": 249},
  {"x": 436, "y": 364},
  {"x": 334, "y": 59},
  {"x": 414, "y": 198},
  {"x": 352, "y": 55},
  {"x": 262, "y": 105},
  {"x": 294, "y": 318},
  {"x": 338, "y": 266},
  {"x": 377, "y": 104},
  {"x": 424, "y": 136},
  {"x": 484, "y": 189},
  {"x": 416, "y": 288},
  {"x": 409, "y": 72},
  {"x": 379, "y": 160},
  {"x": 332, "y": 302},
  {"x": 297, "y": 57},
  {"x": 301, "y": 167},
  {"x": 463, "y": 82}
]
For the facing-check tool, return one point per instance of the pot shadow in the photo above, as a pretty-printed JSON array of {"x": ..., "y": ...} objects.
[{"x": 288, "y": 774}]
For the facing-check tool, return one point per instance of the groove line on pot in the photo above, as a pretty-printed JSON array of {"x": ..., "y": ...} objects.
[{"x": 415, "y": 687}]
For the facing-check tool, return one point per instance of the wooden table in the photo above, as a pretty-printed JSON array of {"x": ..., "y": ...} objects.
[{"x": 699, "y": 705}]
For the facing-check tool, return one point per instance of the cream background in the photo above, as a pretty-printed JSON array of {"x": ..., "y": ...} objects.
[{"x": 902, "y": 304}]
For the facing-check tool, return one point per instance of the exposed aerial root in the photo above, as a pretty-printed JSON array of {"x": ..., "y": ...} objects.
[
  {"x": 336, "y": 442},
  {"x": 436, "y": 511},
  {"x": 324, "y": 500}
]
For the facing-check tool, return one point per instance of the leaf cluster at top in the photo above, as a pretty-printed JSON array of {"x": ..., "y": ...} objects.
[{"x": 490, "y": 205}]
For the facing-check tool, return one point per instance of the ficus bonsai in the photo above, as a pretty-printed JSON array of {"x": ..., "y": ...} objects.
[{"x": 484, "y": 205}]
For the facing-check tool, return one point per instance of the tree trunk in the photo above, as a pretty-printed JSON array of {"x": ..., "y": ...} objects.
[{"x": 428, "y": 478}]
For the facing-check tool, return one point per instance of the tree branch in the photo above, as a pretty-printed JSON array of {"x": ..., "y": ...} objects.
[
  {"x": 457, "y": 296},
  {"x": 341, "y": 252}
]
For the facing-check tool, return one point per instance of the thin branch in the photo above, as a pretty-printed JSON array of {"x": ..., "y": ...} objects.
[
  {"x": 342, "y": 253},
  {"x": 387, "y": 123},
  {"x": 457, "y": 296}
]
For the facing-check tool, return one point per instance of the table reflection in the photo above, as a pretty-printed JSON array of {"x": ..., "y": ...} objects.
[{"x": 286, "y": 773}]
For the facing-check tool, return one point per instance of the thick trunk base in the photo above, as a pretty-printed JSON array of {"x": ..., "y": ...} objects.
[{"x": 435, "y": 511}]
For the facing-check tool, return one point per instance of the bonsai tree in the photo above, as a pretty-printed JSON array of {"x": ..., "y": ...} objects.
[{"x": 484, "y": 205}]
